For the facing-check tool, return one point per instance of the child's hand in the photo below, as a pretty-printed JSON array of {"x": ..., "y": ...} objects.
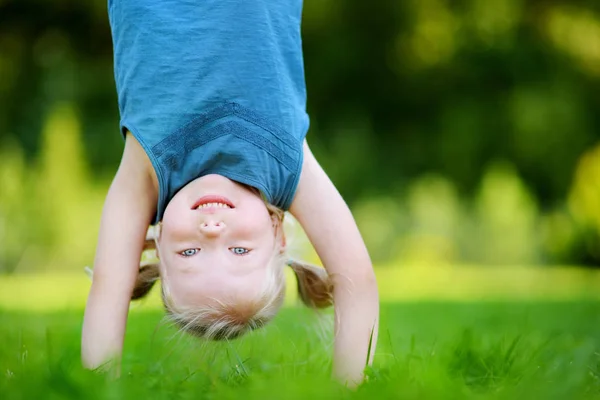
[
  {"x": 129, "y": 206},
  {"x": 332, "y": 230}
]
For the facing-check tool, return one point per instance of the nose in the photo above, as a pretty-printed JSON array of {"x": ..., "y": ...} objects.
[{"x": 211, "y": 228}]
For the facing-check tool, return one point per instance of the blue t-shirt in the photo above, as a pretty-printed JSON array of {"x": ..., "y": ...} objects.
[{"x": 213, "y": 86}]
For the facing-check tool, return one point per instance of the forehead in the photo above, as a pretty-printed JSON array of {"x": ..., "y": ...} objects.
[{"x": 199, "y": 286}]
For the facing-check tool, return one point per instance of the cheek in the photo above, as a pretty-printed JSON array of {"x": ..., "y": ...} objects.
[
  {"x": 175, "y": 220},
  {"x": 257, "y": 219},
  {"x": 174, "y": 210},
  {"x": 256, "y": 227},
  {"x": 256, "y": 230}
]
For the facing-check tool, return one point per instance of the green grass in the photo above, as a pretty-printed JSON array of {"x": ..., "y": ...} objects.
[
  {"x": 61, "y": 290},
  {"x": 428, "y": 350}
]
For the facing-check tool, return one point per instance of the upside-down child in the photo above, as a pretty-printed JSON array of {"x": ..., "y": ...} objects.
[{"x": 212, "y": 101}]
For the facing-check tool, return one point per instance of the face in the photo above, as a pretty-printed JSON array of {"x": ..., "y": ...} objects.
[{"x": 216, "y": 241}]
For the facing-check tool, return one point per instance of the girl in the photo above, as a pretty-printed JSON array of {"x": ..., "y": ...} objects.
[{"x": 212, "y": 102}]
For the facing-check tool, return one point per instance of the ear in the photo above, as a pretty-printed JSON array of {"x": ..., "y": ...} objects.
[
  {"x": 151, "y": 241},
  {"x": 282, "y": 241},
  {"x": 279, "y": 232},
  {"x": 152, "y": 235}
]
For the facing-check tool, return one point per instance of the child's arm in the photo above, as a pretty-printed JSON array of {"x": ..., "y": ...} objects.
[
  {"x": 129, "y": 206},
  {"x": 331, "y": 228}
]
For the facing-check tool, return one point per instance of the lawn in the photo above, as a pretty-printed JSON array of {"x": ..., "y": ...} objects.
[
  {"x": 446, "y": 333},
  {"x": 426, "y": 350}
]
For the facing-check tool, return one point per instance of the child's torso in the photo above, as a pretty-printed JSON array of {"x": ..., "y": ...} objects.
[{"x": 200, "y": 81}]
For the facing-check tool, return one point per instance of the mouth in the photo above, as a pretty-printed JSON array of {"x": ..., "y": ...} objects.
[{"x": 212, "y": 201}]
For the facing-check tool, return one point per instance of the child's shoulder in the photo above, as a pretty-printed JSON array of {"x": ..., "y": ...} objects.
[{"x": 136, "y": 164}]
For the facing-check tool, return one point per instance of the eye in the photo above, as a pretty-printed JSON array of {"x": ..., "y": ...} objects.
[
  {"x": 239, "y": 250},
  {"x": 189, "y": 252}
]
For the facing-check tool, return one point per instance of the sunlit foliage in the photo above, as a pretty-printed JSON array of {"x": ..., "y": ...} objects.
[{"x": 459, "y": 131}]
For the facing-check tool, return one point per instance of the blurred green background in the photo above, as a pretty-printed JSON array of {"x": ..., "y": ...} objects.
[{"x": 462, "y": 133}]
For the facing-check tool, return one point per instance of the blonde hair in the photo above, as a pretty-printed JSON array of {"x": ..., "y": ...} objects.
[{"x": 230, "y": 319}]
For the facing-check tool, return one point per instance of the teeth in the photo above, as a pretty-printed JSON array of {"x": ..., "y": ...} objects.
[{"x": 217, "y": 205}]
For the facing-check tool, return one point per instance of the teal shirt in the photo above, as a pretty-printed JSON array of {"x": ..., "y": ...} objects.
[{"x": 213, "y": 87}]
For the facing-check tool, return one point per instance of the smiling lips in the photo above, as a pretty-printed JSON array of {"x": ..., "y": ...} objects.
[{"x": 212, "y": 202}]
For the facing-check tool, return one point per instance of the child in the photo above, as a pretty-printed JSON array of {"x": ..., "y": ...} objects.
[{"x": 212, "y": 102}]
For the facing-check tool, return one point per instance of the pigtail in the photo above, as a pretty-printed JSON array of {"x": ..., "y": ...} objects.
[
  {"x": 147, "y": 277},
  {"x": 149, "y": 271},
  {"x": 314, "y": 285}
]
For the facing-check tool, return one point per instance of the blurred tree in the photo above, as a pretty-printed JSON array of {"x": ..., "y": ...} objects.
[
  {"x": 58, "y": 51},
  {"x": 446, "y": 86},
  {"x": 397, "y": 90},
  {"x": 584, "y": 204}
]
